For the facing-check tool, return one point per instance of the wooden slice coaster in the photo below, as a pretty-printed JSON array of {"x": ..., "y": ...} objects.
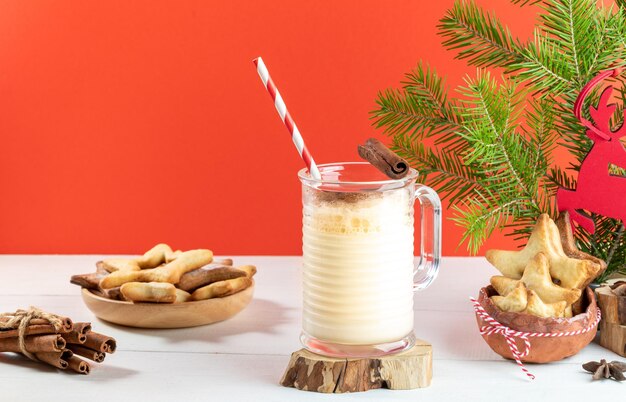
[{"x": 407, "y": 370}]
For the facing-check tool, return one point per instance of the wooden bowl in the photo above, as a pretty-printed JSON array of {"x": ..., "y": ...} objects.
[
  {"x": 543, "y": 350},
  {"x": 160, "y": 315}
]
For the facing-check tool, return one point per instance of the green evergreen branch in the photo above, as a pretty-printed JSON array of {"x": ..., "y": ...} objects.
[
  {"x": 496, "y": 146},
  {"x": 427, "y": 86},
  {"x": 543, "y": 66},
  {"x": 479, "y": 217},
  {"x": 493, "y": 145},
  {"x": 399, "y": 112},
  {"x": 451, "y": 175},
  {"x": 479, "y": 36},
  {"x": 559, "y": 24},
  {"x": 540, "y": 129}
]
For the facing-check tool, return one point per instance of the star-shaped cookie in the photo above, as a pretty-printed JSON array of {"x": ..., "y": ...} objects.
[
  {"x": 515, "y": 300},
  {"x": 537, "y": 307},
  {"x": 537, "y": 278},
  {"x": 564, "y": 225},
  {"x": 572, "y": 273}
]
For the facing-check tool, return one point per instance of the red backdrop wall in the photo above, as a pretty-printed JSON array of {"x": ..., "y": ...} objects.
[{"x": 128, "y": 123}]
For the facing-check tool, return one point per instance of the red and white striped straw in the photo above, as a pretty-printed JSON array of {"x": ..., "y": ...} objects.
[{"x": 286, "y": 118}]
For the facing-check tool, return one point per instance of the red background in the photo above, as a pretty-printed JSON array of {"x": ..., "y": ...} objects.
[{"x": 124, "y": 124}]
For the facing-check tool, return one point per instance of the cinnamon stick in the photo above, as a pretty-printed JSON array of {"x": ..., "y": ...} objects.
[
  {"x": 37, "y": 324},
  {"x": 207, "y": 275},
  {"x": 34, "y": 344},
  {"x": 56, "y": 359},
  {"x": 90, "y": 354},
  {"x": 38, "y": 329},
  {"x": 100, "y": 342},
  {"x": 383, "y": 159},
  {"x": 78, "y": 334},
  {"x": 78, "y": 365}
]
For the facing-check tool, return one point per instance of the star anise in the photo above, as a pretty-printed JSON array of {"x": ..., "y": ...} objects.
[{"x": 603, "y": 369}]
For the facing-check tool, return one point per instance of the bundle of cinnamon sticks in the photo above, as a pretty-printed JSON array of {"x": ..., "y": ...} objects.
[{"x": 53, "y": 339}]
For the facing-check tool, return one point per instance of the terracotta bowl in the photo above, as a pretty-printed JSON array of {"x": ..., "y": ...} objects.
[
  {"x": 543, "y": 350},
  {"x": 160, "y": 315}
]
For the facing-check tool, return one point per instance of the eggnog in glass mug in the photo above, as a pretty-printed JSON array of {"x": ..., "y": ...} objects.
[{"x": 359, "y": 274}]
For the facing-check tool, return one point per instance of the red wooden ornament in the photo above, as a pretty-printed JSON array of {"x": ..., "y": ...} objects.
[{"x": 596, "y": 190}]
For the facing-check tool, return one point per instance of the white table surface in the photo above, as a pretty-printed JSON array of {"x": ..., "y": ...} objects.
[{"x": 242, "y": 359}]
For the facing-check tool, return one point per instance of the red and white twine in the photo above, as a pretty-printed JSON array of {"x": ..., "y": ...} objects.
[
  {"x": 286, "y": 118},
  {"x": 494, "y": 327}
]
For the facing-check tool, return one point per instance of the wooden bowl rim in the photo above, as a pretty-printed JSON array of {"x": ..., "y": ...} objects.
[
  {"x": 585, "y": 318},
  {"x": 87, "y": 293}
]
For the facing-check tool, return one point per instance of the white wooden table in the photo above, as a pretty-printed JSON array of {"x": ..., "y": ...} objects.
[{"x": 243, "y": 359}]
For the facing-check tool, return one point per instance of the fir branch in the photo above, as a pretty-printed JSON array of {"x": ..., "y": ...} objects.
[
  {"x": 540, "y": 129},
  {"x": 615, "y": 245},
  {"x": 419, "y": 109},
  {"x": 492, "y": 153},
  {"x": 543, "y": 66},
  {"x": 607, "y": 41},
  {"x": 478, "y": 36},
  {"x": 479, "y": 216},
  {"x": 446, "y": 171},
  {"x": 573, "y": 134},
  {"x": 426, "y": 85},
  {"x": 492, "y": 113},
  {"x": 608, "y": 243},
  {"x": 569, "y": 23},
  {"x": 400, "y": 113},
  {"x": 556, "y": 178}
]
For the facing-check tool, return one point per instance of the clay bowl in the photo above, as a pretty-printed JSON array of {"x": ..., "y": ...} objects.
[
  {"x": 159, "y": 315},
  {"x": 543, "y": 350}
]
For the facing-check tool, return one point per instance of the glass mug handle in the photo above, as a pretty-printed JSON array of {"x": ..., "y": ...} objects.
[{"x": 430, "y": 244}]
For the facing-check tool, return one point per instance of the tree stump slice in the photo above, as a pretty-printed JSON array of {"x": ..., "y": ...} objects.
[{"x": 410, "y": 369}]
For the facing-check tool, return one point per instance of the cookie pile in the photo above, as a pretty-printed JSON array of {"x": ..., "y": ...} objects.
[
  {"x": 547, "y": 277},
  {"x": 162, "y": 275}
]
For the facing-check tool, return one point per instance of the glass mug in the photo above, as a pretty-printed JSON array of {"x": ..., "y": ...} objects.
[{"x": 358, "y": 272}]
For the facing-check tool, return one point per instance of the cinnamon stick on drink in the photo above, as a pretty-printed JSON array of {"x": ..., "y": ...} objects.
[{"x": 383, "y": 159}]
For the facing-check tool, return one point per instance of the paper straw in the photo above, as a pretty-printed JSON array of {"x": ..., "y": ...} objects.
[{"x": 286, "y": 118}]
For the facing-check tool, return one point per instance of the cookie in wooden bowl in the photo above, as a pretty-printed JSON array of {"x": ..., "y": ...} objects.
[
  {"x": 167, "y": 289},
  {"x": 542, "y": 294},
  {"x": 543, "y": 349}
]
